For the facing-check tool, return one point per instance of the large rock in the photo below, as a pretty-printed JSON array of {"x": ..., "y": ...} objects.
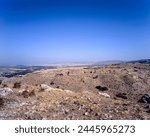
[
  {"x": 47, "y": 88},
  {"x": 2, "y": 102},
  {"x": 26, "y": 93},
  {"x": 145, "y": 99},
  {"x": 17, "y": 85},
  {"x": 1, "y": 81},
  {"x": 148, "y": 108},
  {"x": 122, "y": 95},
  {"x": 5, "y": 91},
  {"x": 100, "y": 88}
]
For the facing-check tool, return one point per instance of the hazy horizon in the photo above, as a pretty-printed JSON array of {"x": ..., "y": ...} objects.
[{"x": 63, "y": 31}]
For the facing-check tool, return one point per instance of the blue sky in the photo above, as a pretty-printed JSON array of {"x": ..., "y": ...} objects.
[{"x": 49, "y": 31}]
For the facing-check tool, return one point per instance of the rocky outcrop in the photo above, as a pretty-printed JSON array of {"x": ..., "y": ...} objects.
[
  {"x": 44, "y": 87},
  {"x": 95, "y": 77},
  {"x": 145, "y": 99},
  {"x": 101, "y": 88},
  {"x": 122, "y": 95},
  {"x": 5, "y": 91},
  {"x": 26, "y": 93},
  {"x": 47, "y": 88},
  {"x": 17, "y": 85}
]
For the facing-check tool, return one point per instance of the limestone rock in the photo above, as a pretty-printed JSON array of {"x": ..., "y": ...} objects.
[
  {"x": 5, "y": 91},
  {"x": 68, "y": 91},
  {"x": 47, "y": 88},
  {"x": 44, "y": 87},
  {"x": 104, "y": 94}
]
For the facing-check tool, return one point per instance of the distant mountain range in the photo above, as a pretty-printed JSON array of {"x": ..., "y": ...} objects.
[
  {"x": 103, "y": 63},
  {"x": 142, "y": 61}
]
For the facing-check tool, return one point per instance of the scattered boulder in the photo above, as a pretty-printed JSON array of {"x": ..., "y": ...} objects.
[
  {"x": 148, "y": 108},
  {"x": 82, "y": 80},
  {"x": 104, "y": 94},
  {"x": 4, "y": 85},
  {"x": 68, "y": 91},
  {"x": 68, "y": 73},
  {"x": 47, "y": 88},
  {"x": 100, "y": 88},
  {"x": 57, "y": 87},
  {"x": 26, "y": 93},
  {"x": 77, "y": 103},
  {"x": 148, "y": 111},
  {"x": 87, "y": 110},
  {"x": 52, "y": 83},
  {"x": 135, "y": 70},
  {"x": 122, "y": 95},
  {"x": 145, "y": 99},
  {"x": 1, "y": 82},
  {"x": 95, "y": 77},
  {"x": 2, "y": 102},
  {"x": 17, "y": 85},
  {"x": 5, "y": 91},
  {"x": 32, "y": 93},
  {"x": 44, "y": 87},
  {"x": 60, "y": 74}
]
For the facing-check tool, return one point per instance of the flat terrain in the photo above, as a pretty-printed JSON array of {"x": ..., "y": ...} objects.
[{"x": 109, "y": 92}]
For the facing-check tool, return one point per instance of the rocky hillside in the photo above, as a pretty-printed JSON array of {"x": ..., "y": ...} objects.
[{"x": 110, "y": 92}]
